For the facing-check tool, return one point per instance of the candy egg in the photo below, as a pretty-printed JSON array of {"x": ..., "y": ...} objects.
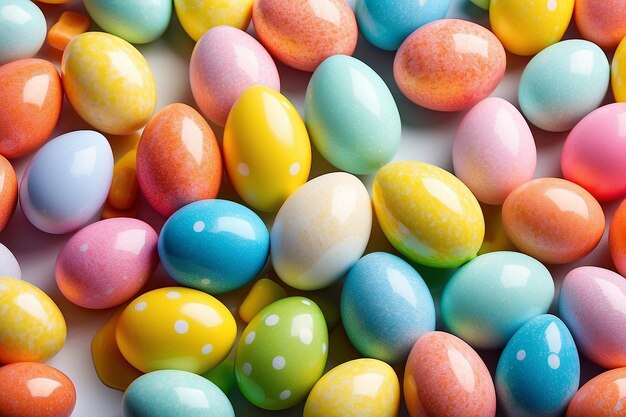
[
  {"x": 282, "y": 353},
  {"x": 9, "y": 267},
  {"x": 602, "y": 396},
  {"x": 197, "y": 17},
  {"x": 178, "y": 159},
  {"x": 449, "y": 65},
  {"x": 601, "y": 21},
  {"x": 321, "y": 231},
  {"x": 361, "y": 387},
  {"x": 618, "y": 72},
  {"x": 362, "y": 134},
  {"x": 22, "y": 30},
  {"x": 617, "y": 238},
  {"x": 32, "y": 328},
  {"x": 553, "y": 220},
  {"x": 8, "y": 192},
  {"x": 67, "y": 181},
  {"x": 108, "y": 82},
  {"x": 428, "y": 214}
]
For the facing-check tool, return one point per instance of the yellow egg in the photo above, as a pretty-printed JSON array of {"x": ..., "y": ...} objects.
[
  {"x": 32, "y": 328},
  {"x": 525, "y": 27},
  {"x": 428, "y": 214},
  {"x": 198, "y": 16},
  {"x": 175, "y": 328},
  {"x": 618, "y": 72},
  {"x": 266, "y": 148},
  {"x": 108, "y": 82}
]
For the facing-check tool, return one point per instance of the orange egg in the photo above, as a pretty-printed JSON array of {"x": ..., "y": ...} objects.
[
  {"x": 601, "y": 22},
  {"x": 602, "y": 396},
  {"x": 8, "y": 191},
  {"x": 617, "y": 238}
]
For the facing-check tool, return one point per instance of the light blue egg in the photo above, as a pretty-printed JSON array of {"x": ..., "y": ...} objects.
[
  {"x": 22, "y": 30},
  {"x": 67, "y": 182},
  {"x": 563, "y": 83},
  {"x": 214, "y": 245},
  {"x": 539, "y": 370},
  {"x": 385, "y": 307},
  {"x": 489, "y": 298},
  {"x": 175, "y": 393},
  {"x": 351, "y": 115}
]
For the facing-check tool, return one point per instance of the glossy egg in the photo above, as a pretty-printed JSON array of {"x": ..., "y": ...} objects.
[
  {"x": 449, "y": 65},
  {"x": 67, "y": 181},
  {"x": 197, "y": 17},
  {"x": 22, "y": 30},
  {"x": 553, "y": 220},
  {"x": 108, "y": 82},
  {"x": 178, "y": 159},
  {"x": 541, "y": 350},
  {"x": 321, "y": 231},
  {"x": 617, "y": 238},
  {"x": 32, "y": 328},
  {"x": 445, "y": 377},
  {"x": 282, "y": 353},
  {"x": 8, "y": 192},
  {"x": 601, "y": 21},
  {"x": 618, "y": 72},
  {"x": 385, "y": 307},
  {"x": 361, "y": 387},
  {"x": 362, "y": 134},
  {"x": 9, "y": 267},
  {"x": 489, "y": 298},
  {"x": 602, "y": 396},
  {"x": 428, "y": 214}
]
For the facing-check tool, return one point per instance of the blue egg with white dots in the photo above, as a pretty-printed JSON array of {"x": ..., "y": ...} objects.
[{"x": 22, "y": 30}]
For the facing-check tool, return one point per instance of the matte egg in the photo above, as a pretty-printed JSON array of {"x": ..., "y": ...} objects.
[
  {"x": 602, "y": 396},
  {"x": 601, "y": 21},
  {"x": 618, "y": 72},
  {"x": 9, "y": 267},
  {"x": 617, "y": 238},
  {"x": 8, "y": 192},
  {"x": 22, "y": 30},
  {"x": 199, "y": 16}
]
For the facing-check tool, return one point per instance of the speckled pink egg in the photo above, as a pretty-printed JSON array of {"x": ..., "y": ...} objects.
[
  {"x": 449, "y": 65},
  {"x": 494, "y": 150},
  {"x": 224, "y": 63},
  {"x": 107, "y": 262},
  {"x": 601, "y": 22}
]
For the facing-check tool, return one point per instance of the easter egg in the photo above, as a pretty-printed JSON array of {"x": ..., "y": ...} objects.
[
  {"x": 385, "y": 307},
  {"x": 483, "y": 4},
  {"x": 67, "y": 181},
  {"x": 31, "y": 104},
  {"x": 9, "y": 267},
  {"x": 494, "y": 150},
  {"x": 108, "y": 82},
  {"x": 8, "y": 192},
  {"x": 449, "y": 65},
  {"x": 601, "y": 22},
  {"x": 214, "y": 245},
  {"x": 321, "y": 231},
  {"x": 302, "y": 33},
  {"x": 618, "y": 72},
  {"x": 197, "y": 17},
  {"x": 361, "y": 387},
  {"x": 617, "y": 238},
  {"x": 35, "y": 390},
  {"x": 489, "y": 298},
  {"x": 282, "y": 353},
  {"x": 266, "y": 148},
  {"x": 601, "y": 396},
  {"x": 32, "y": 328},
  {"x": 428, "y": 214},
  {"x": 525, "y": 27},
  {"x": 362, "y": 134},
  {"x": 22, "y": 30},
  {"x": 445, "y": 377},
  {"x": 178, "y": 159},
  {"x": 175, "y": 328},
  {"x": 541, "y": 350},
  {"x": 553, "y": 220}
]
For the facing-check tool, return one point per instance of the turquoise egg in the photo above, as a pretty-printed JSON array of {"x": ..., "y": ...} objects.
[
  {"x": 563, "y": 83},
  {"x": 351, "y": 115},
  {"x": 385, "y": 307},
  {"x": 539, "y": 370},
  {"x": 489, "y": 298},
  {"x": 22, "y": 30}
]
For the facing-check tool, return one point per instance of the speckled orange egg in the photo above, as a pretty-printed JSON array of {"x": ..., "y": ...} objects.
[
  {"x": 601, "y": 22},
  {"x": 8, "y": 192},
  {"x": 602, "y": 396},
  {"x": 617, "y": 238}
]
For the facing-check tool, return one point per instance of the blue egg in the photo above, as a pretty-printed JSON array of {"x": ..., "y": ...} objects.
[
  {"x": 175, "y": 393},
  {"x": 385, "y": 307},
  {"x": 539, "y": 370},
  {"x": 351, "y": 116},
  {"x": 214, "y": 245},
  {"x": 563, "y": 83},
  {"x": 67, "y": 182},
  {"x": 22, "y": 30}
]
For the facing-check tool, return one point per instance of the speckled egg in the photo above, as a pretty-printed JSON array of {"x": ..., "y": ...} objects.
[
  {"x": 22, "y": 30},
  {"x": 602, "y": 396},
  {"x": 9, "y": 267},
  {"x": 197, "y": 17},
  {"x": 601, "y": 22},
  {"x": 618, "y": 72},
  {"x": 8, "y": 192},
  {"x": 617, "y": 238}
]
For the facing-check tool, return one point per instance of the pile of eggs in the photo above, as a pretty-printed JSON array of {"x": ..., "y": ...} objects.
[{"x": 239, "y": 272}]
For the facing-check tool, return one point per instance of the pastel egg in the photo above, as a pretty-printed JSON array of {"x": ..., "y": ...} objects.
[
  {"x": 282, "y": 353},
  {"x": 602, "y": 396},
  {"x": 385, "y": 307},
  {"x": 428, "y": 214},
  {"x": 9, "y": 267},
  {"x": 32, "y": 327},
  {"x": 67, "y": 181},
  {"x": 449, "y": 65},
  {"x": 494, "y": 150},
  {"x": 301, "y": 34},
  {"x": 600, "y": 21},
  {"x": 617, "y": 238},
  {"x": 108, "y": 82},
  {"x": 197, "y": 17},
  {"x": 553, "y": 220},
  {"x": 489, "y": 298},
  {"x": 321, "y": 231},
  {"x": 362, "y": 134},
  {"x": 361, "y": 387},
  {"x": 8, "y": 192},
  {"x": 618, "y": 72},
  {"x": 541, "y": 350},
  {"x": 22, "y": 30},
  {"x": 446, "y": 377},
  {"x": 178, "y": 159}
]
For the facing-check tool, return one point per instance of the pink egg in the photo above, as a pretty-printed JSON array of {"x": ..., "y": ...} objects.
[
  {"x": 601, "y": 22},
  {"x": 494, "y": 150},
  {"x": 107, "y": 262},
  {"x": 224, "y": 63}
]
